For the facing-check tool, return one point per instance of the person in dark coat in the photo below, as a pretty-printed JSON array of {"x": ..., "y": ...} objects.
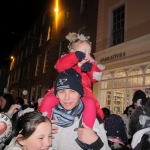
[
  {"x": 140, "y": 127},
  {"x": 116, "y": 133}
]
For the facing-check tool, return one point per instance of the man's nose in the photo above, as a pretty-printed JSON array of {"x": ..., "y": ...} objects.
[{"x": 67, "y": 95}]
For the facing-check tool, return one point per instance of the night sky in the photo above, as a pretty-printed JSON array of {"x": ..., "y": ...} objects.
[{"x": 16, "y": 17}]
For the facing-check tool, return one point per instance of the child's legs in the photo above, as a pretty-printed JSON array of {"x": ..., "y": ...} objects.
[
  {"x": 89, "y": 113},
  {"x": 99, "y": 111},
  {"x": 48, "y": 102}
]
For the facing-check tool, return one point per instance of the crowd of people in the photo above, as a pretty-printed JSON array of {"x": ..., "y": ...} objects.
[{"x": 69, "y": 117}]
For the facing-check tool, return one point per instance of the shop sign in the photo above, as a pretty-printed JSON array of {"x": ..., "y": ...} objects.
[{"x": 113, "y": 57}]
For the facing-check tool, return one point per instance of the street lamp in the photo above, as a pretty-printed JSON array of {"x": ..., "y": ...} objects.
[
  {"x": 56, "y": 10},
  {"x": 12, "y": 62}
]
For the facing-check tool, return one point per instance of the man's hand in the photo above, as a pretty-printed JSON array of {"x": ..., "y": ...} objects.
[
  {"x": 13, "y": 109},
  {"x": 87, "y": 135}
]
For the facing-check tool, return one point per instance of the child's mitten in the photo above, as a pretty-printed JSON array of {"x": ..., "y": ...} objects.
[
  {"x": 87, "y": 66},
  {"x": 80, "y": 55}
]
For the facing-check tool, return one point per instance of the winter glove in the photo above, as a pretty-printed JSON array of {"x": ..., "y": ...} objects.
[
  {"x": 87, "y": 66},
  {"x": 80, "y": 55}
]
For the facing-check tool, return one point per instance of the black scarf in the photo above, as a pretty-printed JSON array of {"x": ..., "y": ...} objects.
[{"x": 66, "y": 118}]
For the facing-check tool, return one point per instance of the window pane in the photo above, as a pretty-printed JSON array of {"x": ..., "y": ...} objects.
[
  {"x": 107, "y": 84},
  {"x": 106, "y": 76},
  {"x": 140, "y": 81},
  {"x": 147, "y": 80},
  {"x": 118, "y": 101},
  {"x": 134, "y": 82},
  {"x": 119, "y": 83},
  {"x": 148, "y": 70},
  {"x": 129, "y": 82},
  {"x": 135, "y": 71},
  {"x": 108, "y": 99},
  {"x": 120, "y": 74},
  {"x": 118, "y": 25}
]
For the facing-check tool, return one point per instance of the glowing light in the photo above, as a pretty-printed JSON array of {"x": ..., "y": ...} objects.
[
  {"x": 12, "y": 62},
  {"x": 56, "y": 10},
  {"x": 56, "y": 14}
]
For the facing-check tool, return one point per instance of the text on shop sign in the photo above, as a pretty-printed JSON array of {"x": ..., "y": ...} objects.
[{"x": 113, "y": 57}]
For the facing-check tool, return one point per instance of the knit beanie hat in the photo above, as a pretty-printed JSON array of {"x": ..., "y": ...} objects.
[
  {"x": 139, "y": 95},
  {"x": 69, "y": 79},
  {"x": 115, "y": 127}
]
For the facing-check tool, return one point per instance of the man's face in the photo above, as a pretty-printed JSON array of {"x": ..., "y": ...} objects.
[
  {"x": 135, "y": 105},
  {"x": 68, "y": 98}
]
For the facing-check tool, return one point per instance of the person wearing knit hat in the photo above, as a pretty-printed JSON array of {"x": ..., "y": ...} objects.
[
  {"x": 139, "y": 98},
  {"x": 116, "y": 132},
  {"x": 140, "y": 127},
  {"x": 139, "y": 95},
  {"x": 69, "y": 79},
  {"x": 140, "y": 119},
  {"x": 80, "y": 60},
  {"x": 72, "y": 132}
]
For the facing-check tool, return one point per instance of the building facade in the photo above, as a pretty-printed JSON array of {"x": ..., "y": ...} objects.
[
  {"x": 4, "y": 71},
  {"x": 123, "y": 46},
  {"x": 35, "y": 55}
]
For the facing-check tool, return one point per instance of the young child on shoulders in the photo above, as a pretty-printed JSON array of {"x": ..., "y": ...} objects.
[
  {"x": 80, "y": 60},
  {"x": 33, "y": 131}
]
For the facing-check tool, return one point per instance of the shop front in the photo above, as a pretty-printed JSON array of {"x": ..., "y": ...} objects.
[{"x": 127, "y": 70}]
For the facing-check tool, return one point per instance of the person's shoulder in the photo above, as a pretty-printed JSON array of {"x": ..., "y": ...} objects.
[
  {"x": 13, "y": 145},
  {"x": 99, "y": 119},
  {"x": 13, "y": 148}
]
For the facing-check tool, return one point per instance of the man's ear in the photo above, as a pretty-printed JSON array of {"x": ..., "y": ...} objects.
[{"x": 20, "y": 140}]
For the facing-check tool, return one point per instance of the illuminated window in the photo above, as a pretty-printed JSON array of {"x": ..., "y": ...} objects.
[
  {"x": 135, "y": 71},
  {"x": 147, "y": 76},
  {"x": 119, "y": 83},
  {"x": 106, "y": 84},
  {"x": 147, "y": 70},
  {"x": 106, "y": 76},
  {"x": 41, "y": 40},
  {"x": 49, "y": 34},
  {"x": 45, "y": 67},
  {"x": 120, "y": 74}
]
